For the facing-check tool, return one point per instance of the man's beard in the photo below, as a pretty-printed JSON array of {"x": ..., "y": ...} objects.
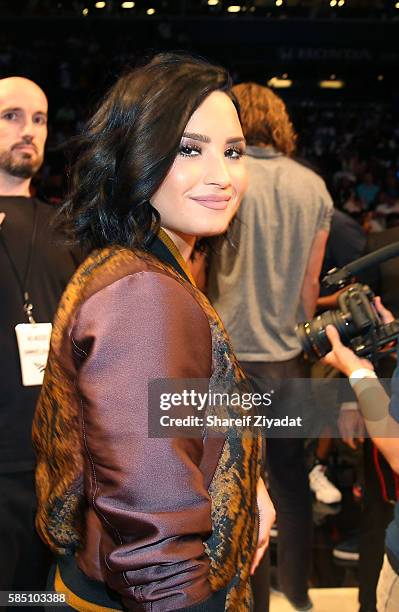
[{"x": 21, "y": 168}]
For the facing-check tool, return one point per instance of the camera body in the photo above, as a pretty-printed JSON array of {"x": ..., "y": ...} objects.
[{"x": 358, "y": 324}]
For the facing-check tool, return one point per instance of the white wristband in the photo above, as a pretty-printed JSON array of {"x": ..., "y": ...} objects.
[
  {"x": 359, "y": 374},
  {"x": 347, "y": 406}
]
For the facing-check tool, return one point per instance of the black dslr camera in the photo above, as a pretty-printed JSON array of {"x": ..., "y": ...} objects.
[{"x": 357, "y": 321}]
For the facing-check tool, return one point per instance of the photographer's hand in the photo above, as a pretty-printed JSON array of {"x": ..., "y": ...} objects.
[
  {"x": 341, "y": 357},
  {"x": 385, "y": 314},
  {"x": 351, "y": 425}
]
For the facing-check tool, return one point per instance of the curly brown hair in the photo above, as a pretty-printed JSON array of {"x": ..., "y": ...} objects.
[{"x": 264, "y": 118}]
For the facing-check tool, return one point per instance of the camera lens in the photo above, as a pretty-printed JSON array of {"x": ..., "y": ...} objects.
[{"x": 312, "y": 334}]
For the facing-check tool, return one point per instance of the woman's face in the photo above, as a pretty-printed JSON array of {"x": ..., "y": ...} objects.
[{"x": 205, "y": 184}]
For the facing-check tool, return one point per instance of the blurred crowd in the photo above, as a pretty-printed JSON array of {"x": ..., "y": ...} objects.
[{"x": 357, "y": 151}]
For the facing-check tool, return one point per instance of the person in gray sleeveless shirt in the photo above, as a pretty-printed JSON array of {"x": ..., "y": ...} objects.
[{"x": 262, "y": 283}]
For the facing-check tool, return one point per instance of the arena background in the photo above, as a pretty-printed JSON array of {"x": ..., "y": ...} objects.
[{"x": 76, "y": 49}]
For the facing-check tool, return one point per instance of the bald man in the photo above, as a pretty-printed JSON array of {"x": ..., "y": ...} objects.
[
  {"x": 23, "y": 133},
  {"x": 34, "y": 271}
]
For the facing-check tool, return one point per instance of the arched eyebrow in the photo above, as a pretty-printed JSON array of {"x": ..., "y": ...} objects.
[
  {"x": 202, "y": 138},
  {"x": 13, "y": 109}
]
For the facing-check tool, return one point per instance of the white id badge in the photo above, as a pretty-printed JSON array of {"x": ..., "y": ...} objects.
[{"x": 33, "y": 345}]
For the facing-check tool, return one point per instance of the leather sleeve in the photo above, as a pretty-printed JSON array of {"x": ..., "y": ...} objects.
[{"x": 149, "y": 494}]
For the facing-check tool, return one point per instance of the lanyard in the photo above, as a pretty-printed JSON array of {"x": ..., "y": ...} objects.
[{"x": 22, "y": 283}]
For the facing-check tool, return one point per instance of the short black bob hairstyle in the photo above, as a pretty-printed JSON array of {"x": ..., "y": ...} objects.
[{"x": 128, "y": 147}]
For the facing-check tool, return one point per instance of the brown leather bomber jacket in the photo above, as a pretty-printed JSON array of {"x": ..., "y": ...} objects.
[{"x": 162, "y": 523}]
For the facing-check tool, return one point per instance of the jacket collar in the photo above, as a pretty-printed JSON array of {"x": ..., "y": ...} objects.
[
  {"x": 268, "y": 152},
  {"x": 163, "y": 247}
]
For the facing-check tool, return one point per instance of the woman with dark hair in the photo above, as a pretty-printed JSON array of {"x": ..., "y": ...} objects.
[{"x": 139, "y": 522}]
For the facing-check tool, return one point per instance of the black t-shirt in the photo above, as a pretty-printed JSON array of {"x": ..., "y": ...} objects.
[
  {"x": 383, "y": 278},
  {"x": 346, "y": 242},
  {"x": 52, "y": 266}
]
